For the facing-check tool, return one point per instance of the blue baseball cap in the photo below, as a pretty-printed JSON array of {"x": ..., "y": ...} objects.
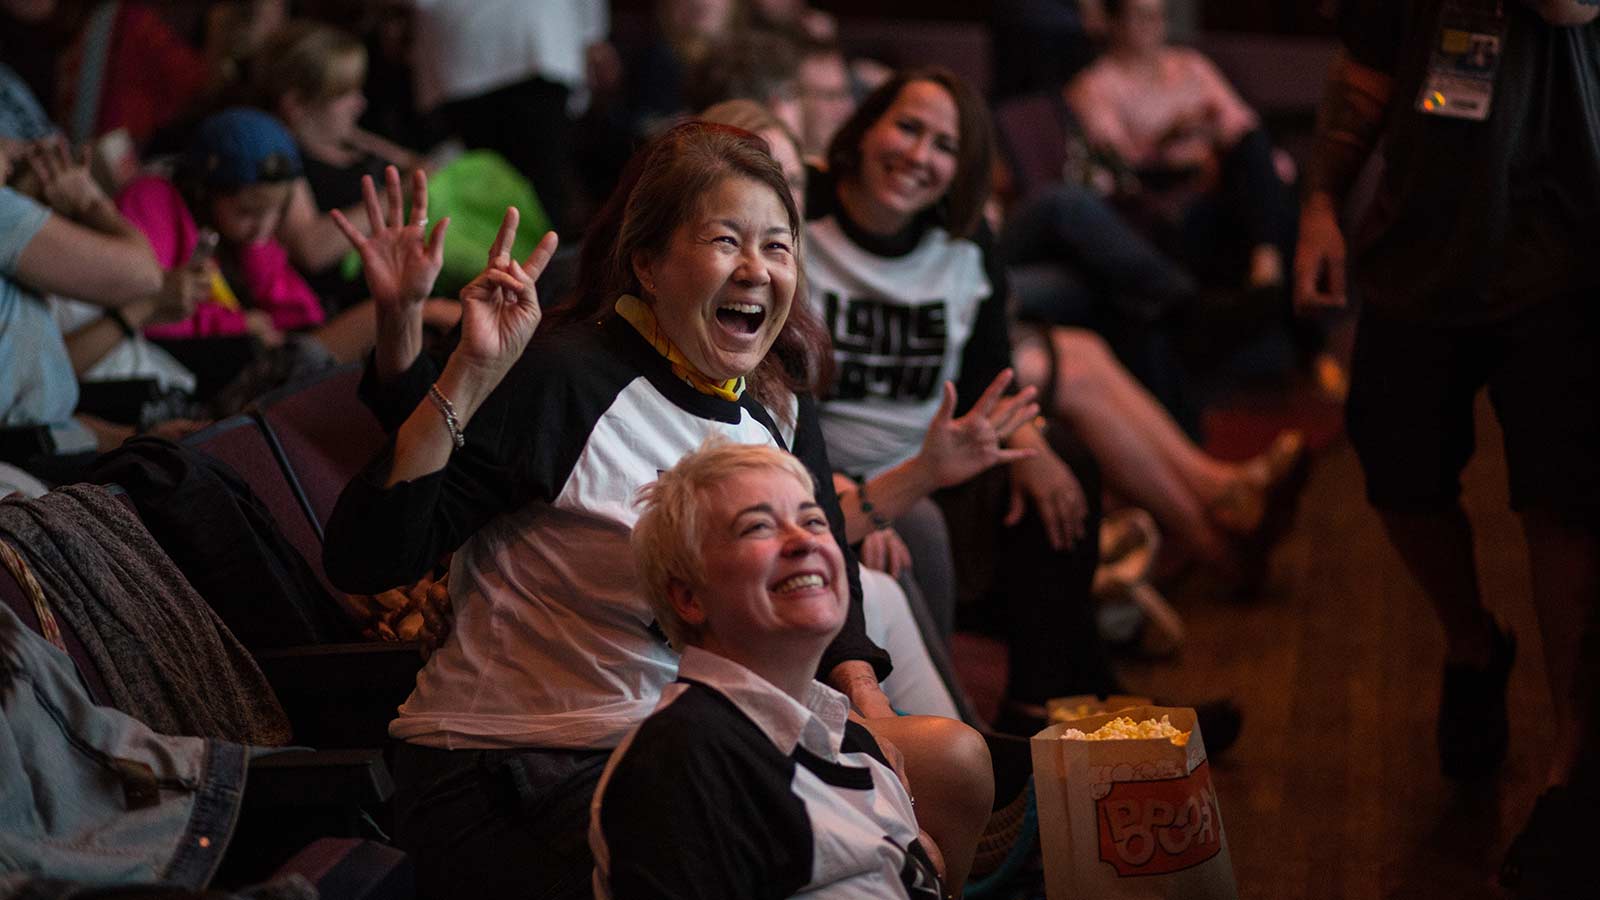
[{"x": 241, "y": 146}]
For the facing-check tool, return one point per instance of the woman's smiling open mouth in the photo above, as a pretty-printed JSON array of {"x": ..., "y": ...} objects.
[{"x": 742, "y": 318}]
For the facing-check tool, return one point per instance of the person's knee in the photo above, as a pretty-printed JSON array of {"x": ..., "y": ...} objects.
[
  {"x": 1083, "y": 360},
  {"x": 956, "y": 757}
]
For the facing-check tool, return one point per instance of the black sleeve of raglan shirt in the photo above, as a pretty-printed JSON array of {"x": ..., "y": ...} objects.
[
  {"x": 852, "y": 641},
  {"x": 520, "y": 445},
  {"x": 988, "y": 349},
  {"x": 700, "y": 806},
  {"x": 392, "y": 402}
]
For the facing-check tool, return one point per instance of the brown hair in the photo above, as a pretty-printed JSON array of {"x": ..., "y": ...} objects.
[
  {"x": 311, "y": 60},
  {"x": 961, "y": 208},
  {"x": 659, "y": 190}
]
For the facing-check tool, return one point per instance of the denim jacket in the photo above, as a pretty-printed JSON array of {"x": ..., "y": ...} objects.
[{"x": 92, "y": 795}]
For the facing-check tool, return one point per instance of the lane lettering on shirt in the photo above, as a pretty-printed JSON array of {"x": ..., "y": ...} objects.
[{"x": 887, "y": 350}]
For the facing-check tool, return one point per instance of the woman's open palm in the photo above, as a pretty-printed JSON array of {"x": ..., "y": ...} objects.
[
  {"x": 400, "y": 266},
  {"x": 957, "y": 449},
  {"x": 500, "y": 308}
]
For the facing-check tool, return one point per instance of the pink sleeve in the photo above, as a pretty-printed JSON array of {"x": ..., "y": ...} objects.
[
  {"x": 155, "y": 206},
  {"x": 278, "y": 288},
  {"x": 1234, "y": 117},
  {"x": 1091, "y": 98}
]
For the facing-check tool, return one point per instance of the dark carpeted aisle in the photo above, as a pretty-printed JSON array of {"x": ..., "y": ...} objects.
[{"x": 1333, "y": 791}]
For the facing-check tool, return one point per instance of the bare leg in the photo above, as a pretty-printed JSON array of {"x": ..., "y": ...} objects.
[
  {"x": 952, "y": 779},
  {"x": 1136, "y": 445},
  {"x": 1205, "y": 475},
  {"x": 1565, "y": 560}
]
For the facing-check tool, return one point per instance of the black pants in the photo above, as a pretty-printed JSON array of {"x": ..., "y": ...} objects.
[
  {"x": 1039, "y": 596},
  {"x": 497, "y": 823},
  {"x": 526, "y": 123}
]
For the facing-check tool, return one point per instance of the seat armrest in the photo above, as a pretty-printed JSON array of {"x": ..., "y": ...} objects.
[{"x": 319, "y": 778}]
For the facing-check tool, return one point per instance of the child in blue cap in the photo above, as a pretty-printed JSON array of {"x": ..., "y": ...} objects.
[{"x": 234, "y": 181}]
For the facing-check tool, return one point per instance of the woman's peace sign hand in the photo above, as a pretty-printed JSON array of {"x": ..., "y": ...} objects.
[{"x": 500, "y": 308}]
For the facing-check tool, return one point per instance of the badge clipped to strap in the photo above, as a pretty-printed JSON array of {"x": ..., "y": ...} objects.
[{"x": 1466, "y": 55}]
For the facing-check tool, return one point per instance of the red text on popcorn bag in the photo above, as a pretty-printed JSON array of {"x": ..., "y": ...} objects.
[{"x": 1160, "y": 827}]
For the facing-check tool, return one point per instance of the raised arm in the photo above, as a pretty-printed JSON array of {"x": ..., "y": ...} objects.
[
  {"x": 400, "y": 262},
  {"x": 428, "y": 494},
  {"x": 953, "y": 450},
  {"x": 1348, "y": 124},
  {"x": 499, "y": 314}
]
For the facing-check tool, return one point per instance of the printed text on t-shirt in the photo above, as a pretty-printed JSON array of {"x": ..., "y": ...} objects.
[{"x": 890, "y": 351}]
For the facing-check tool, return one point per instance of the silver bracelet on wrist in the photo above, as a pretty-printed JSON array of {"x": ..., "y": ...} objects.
[{"x": 448, "y": 410}]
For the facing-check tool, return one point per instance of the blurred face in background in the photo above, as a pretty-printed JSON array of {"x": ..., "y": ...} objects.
[
  {"x": 825, "y": 100},
  {"x": 696, "y": 19},
  {"x": 332, "y": 114},
  {"x": 786, "y": 106},
  {"x": 788, "y": 157},
  {"x": 250, "y": 215},
  {"x": 1141, "y": 27},
  {"x": 335, "y": 118}
]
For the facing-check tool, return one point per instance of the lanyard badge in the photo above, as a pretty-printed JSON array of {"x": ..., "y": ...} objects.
[{"x": 1466, "y": 55}]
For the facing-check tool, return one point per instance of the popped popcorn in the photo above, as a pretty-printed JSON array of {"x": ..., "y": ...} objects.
[{"x": 1123, "y": 728}]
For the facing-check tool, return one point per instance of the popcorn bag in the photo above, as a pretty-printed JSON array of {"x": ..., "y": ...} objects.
[{"x": 1130, "y": 817}]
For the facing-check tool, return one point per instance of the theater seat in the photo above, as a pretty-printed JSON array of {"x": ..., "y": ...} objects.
[
  {"x": 325, "y": 435},
  {"x": 242, "y": 444},
  {"x": 1032, "y": 137}
]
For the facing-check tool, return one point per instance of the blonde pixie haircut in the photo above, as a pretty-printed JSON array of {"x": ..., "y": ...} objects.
[{"x": 666, "y": 539}]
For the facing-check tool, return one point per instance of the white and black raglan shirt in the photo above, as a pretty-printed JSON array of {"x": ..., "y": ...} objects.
[
  {"x": 553, "y": 644},
  {"x": 732, "y": 788},
  {"x": 906, "y": 313}
]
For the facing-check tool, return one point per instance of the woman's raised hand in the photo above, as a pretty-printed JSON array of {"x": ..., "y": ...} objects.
[
  {"x": 955, "y": 450},
  {"x": 500, "y": 308},
  {"x": 400, "y": 266}
]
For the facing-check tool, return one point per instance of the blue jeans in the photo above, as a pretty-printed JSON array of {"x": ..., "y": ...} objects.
[
  {"x": 1104, "y": 267},
  {"x": 160, "y": 808}
]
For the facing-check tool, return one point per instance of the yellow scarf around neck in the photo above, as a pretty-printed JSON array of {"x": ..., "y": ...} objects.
[{"x": 643, "y": 320}]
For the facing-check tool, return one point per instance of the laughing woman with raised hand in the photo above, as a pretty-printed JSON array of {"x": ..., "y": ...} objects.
[{"x": 523, "y": 454}]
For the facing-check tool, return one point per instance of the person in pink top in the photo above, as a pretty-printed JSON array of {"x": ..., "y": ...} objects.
[
  {"x": 235, "y": 181},
  {"x": 1167, "y": 112}
]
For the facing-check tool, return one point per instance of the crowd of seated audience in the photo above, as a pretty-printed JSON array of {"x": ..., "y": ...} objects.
[{"x": 762, "y": 242}]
